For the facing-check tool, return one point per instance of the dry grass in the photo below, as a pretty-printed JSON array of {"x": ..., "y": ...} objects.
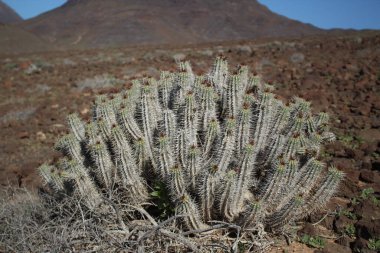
[{"x": 38, "y": 222}]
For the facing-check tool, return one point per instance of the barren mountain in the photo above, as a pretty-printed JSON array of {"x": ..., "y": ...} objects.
[
  {"x": 14, "y": 40},
  {"x": 7, "y": 15},
  {"x": 99, "y": 23}
]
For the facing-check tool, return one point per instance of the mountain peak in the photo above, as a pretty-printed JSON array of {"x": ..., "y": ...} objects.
[
  {"x": 99, "y": 23},
  {"x": 8, "y": 15}
]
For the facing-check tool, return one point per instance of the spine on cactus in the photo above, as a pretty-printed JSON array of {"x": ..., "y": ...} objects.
[{"x": 223, "y": 144}]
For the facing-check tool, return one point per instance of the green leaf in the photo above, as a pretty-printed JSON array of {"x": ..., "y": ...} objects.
[
  {"x": 155, "y": 194},
  {"x": 366, "y": 193},
  {"x": 315, "y": 242}
]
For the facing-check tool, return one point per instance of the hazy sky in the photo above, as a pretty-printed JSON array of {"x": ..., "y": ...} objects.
[{"x": 357, "y": 14}]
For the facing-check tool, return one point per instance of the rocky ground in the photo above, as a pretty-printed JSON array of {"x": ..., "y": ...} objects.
[{"x": 340, "y": 75}]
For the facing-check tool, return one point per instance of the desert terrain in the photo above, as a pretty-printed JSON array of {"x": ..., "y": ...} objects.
[
  {"x": 339, "y": 72},
  {"x": 339, "y": 75}
]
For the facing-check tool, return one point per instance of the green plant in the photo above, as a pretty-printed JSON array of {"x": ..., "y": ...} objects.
[
  {"x": 354, "y": 201},
  {"x": 161, "y": 198},
  {"x": 11, "y": 65},
  {"x": 311, "y": 241},
  {"x": 375, "y": 155},
  {"x": 350, "y": 230},
  {"x": 351, "y": 141},
  {"x": 368, "y": 193},
  {"x": 223, "y": 146},
  {"x": 374, "y": 244},
  {"x": 347, "y": 213},
  {"x": 325, "y": 155}
]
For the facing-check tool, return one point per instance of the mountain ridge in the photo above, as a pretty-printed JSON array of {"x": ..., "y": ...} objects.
[
  {"x": 98, "y": 23},
  {"x": 8, "y": 15}
]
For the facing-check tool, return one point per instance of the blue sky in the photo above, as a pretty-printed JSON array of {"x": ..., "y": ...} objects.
[
  {"x": 30, "y": 8},
  {"x": 357, "y": 14}
]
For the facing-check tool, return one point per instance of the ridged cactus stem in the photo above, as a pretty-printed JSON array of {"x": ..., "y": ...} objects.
[
  {"x": 70, "y": 146},
  {"x": 252, "y": 214},
  {"x": 188, "y": 208},
  {"x": 177, "y": 183},
  {"x": 213, "y": 131},
  {"x": 165, "y": 156},
  {"x": 219, "y": 73},
  {"x": 225, "y": 198},
  {"x": 164, "y": 89},
  {"x": 282, "y": 216},
  {"x": 168, "y": 126},
  {"x": 264, "y": 117},
  {"x": 52, "y": 177},
  {"x": 243, "y": 181},
  {"x": 226, "y": 149},
  {"x": 243, "y": 128},
  {"x": 85, "y": 186},
  {"x": 208, "y": 193},
  {"x": 76, "y": 126},
  {"x": 193, "y": 166},
  {"x": 104, "y": 166},
  {"x": 128, "y": 122},
  {"x": 125, "y": 163},
  {"x": 323, "y": 193},
  {"x": 148, "y": 125}
]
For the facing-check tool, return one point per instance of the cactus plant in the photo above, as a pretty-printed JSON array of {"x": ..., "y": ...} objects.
[{"x": 225, "y": 147}]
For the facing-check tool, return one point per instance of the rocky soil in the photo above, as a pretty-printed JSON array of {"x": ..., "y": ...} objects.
[{"x": 340, "y": 75}]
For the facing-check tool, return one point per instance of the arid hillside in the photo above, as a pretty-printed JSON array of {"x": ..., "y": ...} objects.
[
  {"x": 98, "y": 23},
  {"x": 15, "y": 40},
  {"x": 7, "y": 15}
]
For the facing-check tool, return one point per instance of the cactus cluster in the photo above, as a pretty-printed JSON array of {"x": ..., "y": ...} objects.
[{"x": 225, "y": 147}]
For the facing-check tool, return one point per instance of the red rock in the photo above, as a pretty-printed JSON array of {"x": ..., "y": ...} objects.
[
  {"x": 360, "y": 245},
  {"x": 331, "y": 247},
  {"x": 369, "y": 176},
  {"x": 370, "y": 135},
  {"x": 341, "y": 223},
  {"x": 367, "y": 210},
  {"x": 23, "y": 135},
  {"x": 368, "y": 229}
]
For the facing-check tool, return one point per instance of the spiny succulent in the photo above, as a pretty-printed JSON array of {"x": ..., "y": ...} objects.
[{"x": 225, "y": 147}]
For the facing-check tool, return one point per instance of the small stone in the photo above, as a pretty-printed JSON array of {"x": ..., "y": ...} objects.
[
  {"x": 367, "y": 210},
  {"x": 84, "y": 111},
  {"x": 23, "y": 135},
  {"x": 207, "y": 52},
  {"x": 309, "y": 229},
  {"x": 331, "y": 247},
  {"x": 341, "y": 223},
  {"x": 58, "y": 125},
  {"x": 367, "y": 176},
  {"x": 244, "y": 49},
  {"x": 41, "y": 136},
  {"x": 297, "y": 57},
  {"x": 359, "y": 245},
  {"x": 366, "y": 163},
  {"x": 344, "y": 240}
]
